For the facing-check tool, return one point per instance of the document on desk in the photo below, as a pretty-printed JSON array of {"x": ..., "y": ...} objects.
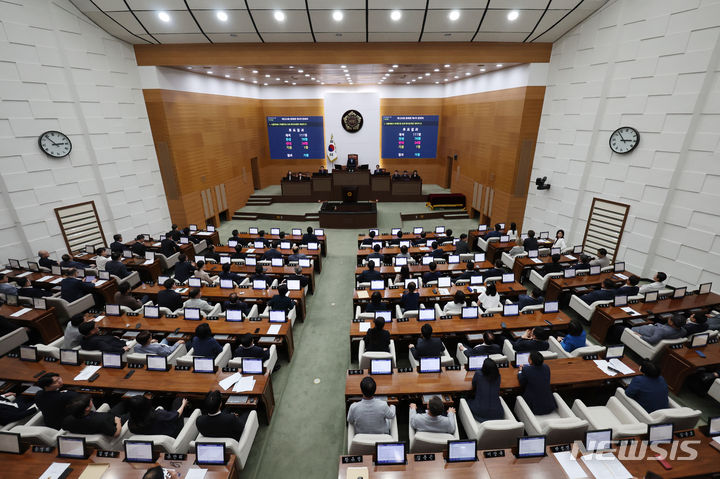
[
  {"x": 570, "y": 465},
  {"x": 621, "y": 276},
  {"x": 55, "y": 470},
  {"x": 46, "y": 278},
  {"x": 570, "y": 257},
  {"x": 620, "y": 366},
  {"x": 606, "y": 466},
  {"x": 149, "y": 261},
  {"x": 182, "y": 290},
  {"x": 273, "y": 329},
  {"x": 156, "y": 244},
  {"x": 364, "y": 327},
  {"x": 196, "y": 473},
  {"x": 19, "y": 313},
  {"x": 444, "y": 291},
  {"x": 99, "y": 318},
  {"x": 362, "y": 294},
  {"x": 424, "y": 248},
  {"x": 204, "y": 233},
  {"x": 250, "y": 250},
  {"x": 603, "y": 366},
  {"x": 357, "y": 473},
  {"x": 630, "y": 311},
  {"x": 100, "y": 282},
  {"x": 246, "y": 383},
  {"x": 536, "y": 260},
  {"x": 229, "y": 381},
  {"x": 56, "y": 280},
  {"x": 22, "y": 275},
  {"x": 86, "y": 373},
  {"x": 6, "y": 271},
  {"x": 397, "y": 269},
  {"x": 94, "y": 471}
]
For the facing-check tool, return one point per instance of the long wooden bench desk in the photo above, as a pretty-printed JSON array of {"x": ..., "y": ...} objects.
[
  {"x": 44, "y": 321},
  {"x": 110, "y": 379},
  {"x": 678, "y": 364},
  {"x": 429, "y": 294},
  {"x": 523, "y": 263},
  {"x": 212, "y": 237},
  {"x": 295, "y": 239},
  {"x": 496, "y": 248},
  {"x": 220, "y": 326},
  {"x": 154, "y": 245},
  {"x": 557, "y": 285},
  {"x": 407, "y": 236},
  {"x": 419, "y": 269},
  {"x": 148, "y": 272},
  {"x": 604, "y": 318},
  {"x": 272, "y": 271},
  {"x": 105, "y": 288},
  {"x": 414, "y": 251},
  {"x": 312, "y": 254}
]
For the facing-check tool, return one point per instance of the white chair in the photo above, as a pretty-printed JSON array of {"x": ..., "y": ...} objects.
[
  {"x": 493, "y": 433},
  {"x": 213, "y": 312},
  {"x": 200, "y": 246},
  {"x": 541, "y": 282},
  {"x": 642, "y": 348},
  {"x": 359, "y": 444},
  {"x": 253, "y": 313},
  {"x": 714, "y": 391},
  {"x": 141, "y": 358},
  {"x": 613, "y": 416},
  {"x": 445, "y": 359},
  {"x": 560, "y": 426},
  {"x": 364, "y": 357},
  {"x": 533, "y": 307},
  {"x": 13, "y": 340},
  {"x": 172, "y": 445},
  {"x": 125, "y": 309},
  {"x": 52, "y": 349},
  {"x": 682, "y": 417},
  {"x": 268, "y": 364},
  {"x": 463, "y": 360},
  {"x": 133, "y": 279},
  {"x": 360, "y": 315},
  {"x": 410, "y": 313},
  {"x": 240, "y": 448},
  {"x": 64, "y": 310},
  {"x": 221, "y": 359},
  {"x": 589, "y": 348},
  {"x": 509, "y": 261},
  {"x": 431, "y": 441},
  {"x": 34, "y": 431},
  {"x": 583, "y": 309},
  {"x": 509, "y": 352},
  {"x": 96, "y": 354},
  {"x": 168, "y": 262},
  {"x": 101, "y": 441}
]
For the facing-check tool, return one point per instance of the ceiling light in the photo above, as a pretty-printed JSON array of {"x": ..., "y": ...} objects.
[
  {"x": 209, "y": 73},
  {"x": 395, "y": 15},
  {"x": 437, "y": 82},
  {"x": 445, "y": 79},
  {"x": 513, "y": 15},
  {"x": 294, "y": 83},
  {"x": 467, "y": 73},
  {"x": 313, "y": 78},
  {"x": 454, "y": 15},
  {"x": 337, "y": 15},
  {"x": 499, "y": 65},
  {"x": 265, "y": 84},
  {"x": 278, "y": 79},
  {"x": 413, "y": 79},
  {"x": 343, "y": 66},
  {"x": 387, "y": 74},
  {"x": 446, "y": 66},
  {"x": 322, "y": 83},
  {"x": 254, "y": 81},
  {"x": 407, "y": 82},
  {"x": 307, "y": 74},
  {"x": 436, "y": 70},
  {"x": 395, "y": 66},
  {"x": 242, "y": 78},
  {"x": 239, "y": 68},
  {"x": 420, "y": 77},
  {"x": 222, "y": 16},
  {"x": 482, "y": 69},
  {"x": 300, "y": 71},
  {"x": 345, "y": 70},
  {"x": 189, "y": 68},
  {"x": 255, "y": 71},
  {"x": 427, "y": 74},
  {"x": 286, "y": 81},
  {"x": 164, "y": 16},
  {"x": 456, "y": 77},
  {"x": 279, "y": 15},
  {"x": 227, "y": 76},
  {"x": 291, "y": 67},
  {"x": 267, "y": 76},
  {"x": 391, "y": 70}
]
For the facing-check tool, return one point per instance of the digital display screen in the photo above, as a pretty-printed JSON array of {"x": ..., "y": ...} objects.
[
  {"x": 413, "y": 136},
  {"x": 476, "y": 362},
  {"x": 390, "y": 453},
  {"x": 459, "y": 451},
  {"x": 380, "y": 366},
  {"x": 531, "y": 446},
  {"x": 296, "y": 137}
]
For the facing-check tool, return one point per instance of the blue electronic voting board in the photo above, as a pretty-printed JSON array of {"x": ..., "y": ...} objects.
[
  {"x": 296, "y": 137},
  {"x": 412, "y": 136}
]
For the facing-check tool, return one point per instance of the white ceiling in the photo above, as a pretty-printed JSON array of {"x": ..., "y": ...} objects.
[{"x": 253, "y": 21}]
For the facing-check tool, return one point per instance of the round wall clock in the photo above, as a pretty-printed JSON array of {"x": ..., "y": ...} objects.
[
  {"x": 55, "y": 144},
  {"x": 352, "y": 121},
  {"x": 624, "y": 139}
]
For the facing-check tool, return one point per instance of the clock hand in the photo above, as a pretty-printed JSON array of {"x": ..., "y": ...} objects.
[{"x": 621, "y": 137}]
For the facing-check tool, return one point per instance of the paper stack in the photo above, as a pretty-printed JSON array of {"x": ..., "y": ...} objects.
[
  {"x": 606, "y": 466},
  {"x": 246, "y": 383},
  {"x": 86, "y": 373},
  {"x": 603, "y": 366}
]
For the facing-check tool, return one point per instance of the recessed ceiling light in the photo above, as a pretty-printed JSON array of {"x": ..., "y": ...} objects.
[
  {"x": 286, "y": 81},
  {"x": 436, "y": 70},
  {"x": 294, "y": 83},
  {"x": 337, "y": 15},
  {"x": 454, "y": 15},
  {"x": 242, "y": 78},
  {"x": 239, "y": 68},
  {"x": 343, "y": 66},
  {"x": 345, "y": 70},
  {"x": 499, "y": 65},
  {"x": 265, "y": 84},
  {"x": 387, "y": 74},
  {"x": 437, "y": 82},
  {"x": 456, "y": 77},
  {"x": 513, "y": 15},
  {"x": 313, "y": 78},
  {"x": 482, "y": 69},
  {"x": 291, "y": 67},
  {"x": 420, "y": 77},
  {"x": 446, "y": 66},
  {"x": 254, "y": 81},
  {"x": 279, "y": 15},
  {"x": 413, "y": 79},
  {"x": 164, "y": 16},
  {"x": 227, "y": 76},
  {"x": 278, "y": 79},
  {"x": 467, "y": 73},
  {"x": 427, "y": 74},
  {"x": 255, "y": 71},
  {"x": 300, "y": 71},
  {"x": 267, "y": 76},
  {"x": 209, "y": 73},
  {"x": 307, "y": 74},
  {"x": 395, "y": 15},
  {"x": 445, "y": 79},
  {"x": 407, "y": 82},
  {"x": 189, "y": 68},
  {"x": 395, "y": 66},
  {"x": 322, "y": 82},
  {"x": 222, "y": 16},
  {"x": 391, "y": 70}
]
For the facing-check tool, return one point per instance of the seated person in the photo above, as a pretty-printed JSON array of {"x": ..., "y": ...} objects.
[
  {"x": 210, "y": 254},
  {"x": 376, "y": 303},
  {"x": 512, "y": 231},
  {"x": 204, "y": 275},
  {"x": 124, "y": 298},
  {"x": 405, "y": 175},
  {"x": 518, "y": 248},
  {"x": 553, "y": 267},
  {"x": 370, "y": 415},
  {"x": 490, "y": 298},
  {"x": 427, "y": 345},
  {"x": 485, "y": 404},
  {"x": 238, "y": 254},
  {"x": 431, "y": 275},
  {"x": 14, "y": 408},
  {"x": 102, "y": 256},
  {"x": 696, "y": 323},
  {"x": 217, "y": 423},
  {"x": 433, "y": 420},
  {"x": 368, "y": 241},
  {"x": 260, "y": 274},
  {"x": 396, "y": 241},
  {"x": 560, "y": 240},
  {"x": 272, "y": 252},
  {"x": 396, "y": 176},
  {"x": 233, "y": 302},
  {"x": 376, "y": 254},
  {"x": 650, "y": 390},
  {"x": 376, "y": 338},
  {"x": 67, "y": 262},
  {"x": 235, "y": 237},
  {"x": 530, "y": 243},
  {"x": 203, "y": 343},
  {"x": 304, "y": 280},
  {"x": 446, "y": 237},
  {"x": 497, "y": 271},
  {"x": 290, "y": 176},
  {"x": 83, "y": 418},
  {"x": 72, "y": 288},
  {"x": 421, "y": 240},
  {"x": 437, "y": 252},
  {"x": 147, "y": 345},
  {"x": 468, "y": 273},
  {"x": 310, "y": 236},
  {"x": 713, "y": 321},
  {"x": 138, "y": 247},
  {"x": 351, "y": 162},
  {"x": 369, "y": 274},
  {"x": 248, "y": 349},
  {"x": 227, "y": 274},
  {"x": 654, "y": 333},
  {"x": 534, "y": 298},
  {"x": 535, "y": 339},
  {"x": 377, "y": 170},
  {"x": 183, "y": 269},
  {"x": 496, "y": 233},
  {"x": 45, "y": 261},
  {"x": 144, "y": 419},
  {"x": 462, "y": 247},
  {"x": 195, "y": 301},
  {"x": 72, "y": 337},
  {"x": 117, "y": 244},
  {"x": 487, "y": 347},
  {"x": 296, "y": 254},
  {"x": 410, "y": 299},
  {"x": 630, "y": 288},
  {"x": 584, "y": 263},
  {"x": 402, "y": 275},
  {"x": 168, "y": 247},
  {"x": 607, "y": 292},
  {"x": 92, "y": 341},
  {"x": 174, "y": 233},
  {"x": 575, "y": 338},
  {"x": 28, "y": 290},
  {"x": 115, "y": 266},
  {"x": 415, "y": 175},
  {"x": 159, "y": 472},
  {"x": 281, "y": 302},
  {"x": 169, "y": 298},
  {"x": 455, "y": 306},
  {"x": 657, "y": 284},
  {"x": 602, "y": 259},
  {"x": 52, "y": 401},
  {"x": 535, "y": 380}
]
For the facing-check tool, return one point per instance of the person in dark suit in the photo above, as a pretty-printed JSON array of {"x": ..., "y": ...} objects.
[
  {"x": 421, "y": 240},
  {"x": 498, "y": 270},
  {"x": 304, "y": 281},
  {"x": 496, "y": 233},
  {"x": 272, "y": 252},
  {"x": 261, "y": 238},
  {"x": 83, "y": 419},
  {"x": 217, "y": 423},
  {"x": 369, "y": 274},
  {"x": 650, "y": 390},
  {"x": 92, "y": 341},
  {"x": 227, "y": 274},
  {"x": 174, "y": 233},
  {"x": 168, "y": 247},
  {"x": 124, "y": 298},
  {"x": 530, "y": 243},
  {"x": 260, "y": 274},
  {"x": 415, "y": 175},
  {"x": 144, "y": 419},
  {"x": 436, "y": 251},
  {"x": 238, "y": 254},
  {"x": 427, "y": 345},
  {"x": 13, "y": 408},
  {"x": 533, "y": 340},
  {"x": 376, "y": 253},
  {"x": 351, "y": 163},
  {"x": 233, "y": 302},
  {"x": 235, "y": 236},
  {"x": 51, "y": 400},
  {"x": 25, "y": 289},
  {"x": 461, "y": 247},
  {"x": 410, "y": 300},
  {"x": 431, "y": 275},
  {"x": 534, "y": 298},
  {"x": 447, "y": 237},
  {"x": 405, "y": 176},
  {"x": 72, "y": 288},
  {"x": 485, "y": 404},
  {"x": 115, "y": 266},
  {"x": 376, "y": 303},
  {"x": 696, "y": 323},
  {"x": 309, "y": 237},
  {"x": 584, "y": 263},
  {"x": 117, "y": 244},
  {"x": 376, "y": 338},
  {"x": 607, "y": 292},
  {"x": 167, "y": 298},
  {"x": 203, "y": 343},
  {"x": 248, "y": 349},
  {"x": 469, "y": 271},
  {"x": 630, "y": 288},
  {"x": 369, "y": 240},
  {"x": 44, "y": 259},
  {"x": 487, "y": 347},
  {"x": 67, "y": 262},
  {"x": 183, "y": 269},
  {"x": 296, "y": 255},
  {"x": 281, "y": 302},
  {"x": 396, "y": 240},
  {"x": 535, "y": 380},
  {"x": 396, "y": 176},
  {"x": 138, "y": 247},
  {"x": 553, "y": 267},
  {"x": 210, "y": 253}
]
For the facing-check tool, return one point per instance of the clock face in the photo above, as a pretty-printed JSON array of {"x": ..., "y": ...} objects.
[
  {"x": 55, "y": 144},
  {"x": 624, "y": 139}
]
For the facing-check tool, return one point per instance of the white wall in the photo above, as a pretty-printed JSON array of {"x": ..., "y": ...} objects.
[
  {"x": 58, "y": 71},
  {"x": 654, "y": 66},
  {"x": 365, "y": 143}
]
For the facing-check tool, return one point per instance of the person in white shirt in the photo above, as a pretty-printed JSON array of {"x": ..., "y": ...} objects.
[
  {"x": 456, "y": 305},
  {"x": 602, "y": 259},
  {"x": 102, "y": 257},
  {"x": 512, "y": 232},
  {"x": 196, "y": 302},
  {"x": 560, "y": 241},
  {"x": 657, "y": 284},
  {"x": 490, "y": 298}
]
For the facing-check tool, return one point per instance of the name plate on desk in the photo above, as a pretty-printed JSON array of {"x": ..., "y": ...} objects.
[
  {"x": 423, "y": 457},
  {"x": 175, "y": 457},
  {"x": 492, "y": 454},
  {"x": 561, "y": 448},
  {"x": 352, "y": 372},
  {"x": 351, "y": 459}
]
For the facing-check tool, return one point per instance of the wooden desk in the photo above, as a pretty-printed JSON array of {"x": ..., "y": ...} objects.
[
  {"x": 523, "y": 262},
  {"x": 178, "y": 382},
  {"x": 575, "y": 372},
  {"x": 392, "y": 251},
  {"x": 322, "y": 239},
  {"x": 389, "y": 237},
  {"x": 495, "y": 248},
  {"x": 419, "y": 269},
  {"x": 296, "y": 188},
  {"x": 187, "y": 249},
  {"x": 106, "y": 290},
  {"x": 603, "y": 318},
  {"x": 678, "y": 364},
  {"x": 406, "y": 187},
  {"x": 351, "y": 178},
  {"x": 211, "y": 237},
  {"x": 148, "y": 272},
  {"x": 315, "y": 255},
  {"x": 33, "y": 464},
  {"x": 557, "y": 285},
  {"x": 273, "y": 271},
  {"x": 43, "y": 321},
  {"x": 506, "y": 289},
  {"x": 220, "y": 326}
]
